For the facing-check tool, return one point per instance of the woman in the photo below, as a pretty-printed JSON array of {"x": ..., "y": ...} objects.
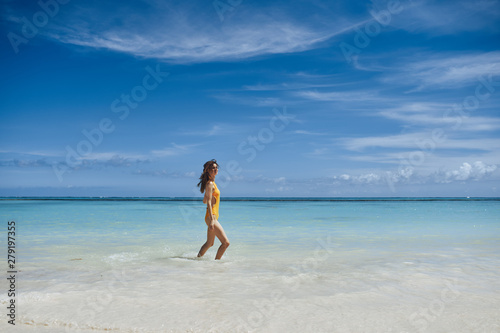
[{"x": 212, "y": 199}]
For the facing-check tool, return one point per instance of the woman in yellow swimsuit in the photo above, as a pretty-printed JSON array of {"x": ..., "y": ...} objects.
[{"x": 212, "y": 199}]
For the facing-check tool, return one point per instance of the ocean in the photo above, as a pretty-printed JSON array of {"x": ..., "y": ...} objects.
[{"x": 294, "y": 265}]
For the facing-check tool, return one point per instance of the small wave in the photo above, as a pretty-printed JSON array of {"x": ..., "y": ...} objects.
[{"x": 121, "y": 257}]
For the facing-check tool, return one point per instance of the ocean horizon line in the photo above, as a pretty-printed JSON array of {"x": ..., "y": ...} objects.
[{"x": 326, "y": 199}]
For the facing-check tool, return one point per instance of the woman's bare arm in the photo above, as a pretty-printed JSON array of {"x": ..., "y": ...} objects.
[{"x": 208, "y": 200}]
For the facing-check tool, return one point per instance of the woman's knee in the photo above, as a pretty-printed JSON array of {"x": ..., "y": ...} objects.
[{"x": 226, "y": 244}]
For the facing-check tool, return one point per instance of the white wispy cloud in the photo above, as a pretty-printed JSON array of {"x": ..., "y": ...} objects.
[
  {"x": 300, "y": 81},
  {"x": 339, "y": 96},
  {"x": 210, "y": 130},
  {"x": 251, "y": 100},
  {"x": 447, "y": 17},
  {"x": 412, "y": 141},
  {"x": 106, "y": 156},
  {"x": 286, "y": 86},
  {"x": 174, "y": 150},
  {"x": 92, "y": 160},
  {"x": 163, "y": 173},
  {"x": 319, "y": 153},
  {"x": 215, "y": 130},
  {"x": 24, "y": 163},
  {"x": 450, "y": 70},
  {"x": 187, "y": 32},
  {"x": 108, "y": 159},
  {"x": 474, "y": 171},
  {"x": 444, "y": 115},
  {"x": 304, "y": 132}
]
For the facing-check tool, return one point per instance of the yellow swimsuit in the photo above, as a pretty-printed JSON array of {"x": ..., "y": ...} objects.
[{"x": 215, "y": 207}]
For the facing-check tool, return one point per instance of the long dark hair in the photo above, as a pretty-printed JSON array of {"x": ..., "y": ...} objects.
[{"x": 205, "y": 176}]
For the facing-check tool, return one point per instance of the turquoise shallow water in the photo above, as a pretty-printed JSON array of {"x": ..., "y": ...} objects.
[{"x": 353, "y": 265}]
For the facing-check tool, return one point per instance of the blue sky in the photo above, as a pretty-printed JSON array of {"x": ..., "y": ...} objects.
[{"x": 293, "y": 98}]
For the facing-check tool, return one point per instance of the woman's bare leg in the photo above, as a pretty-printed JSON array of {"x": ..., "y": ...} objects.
[
  {"x": 209, "y": 243},
  {"x": 221, "y": 235}
]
